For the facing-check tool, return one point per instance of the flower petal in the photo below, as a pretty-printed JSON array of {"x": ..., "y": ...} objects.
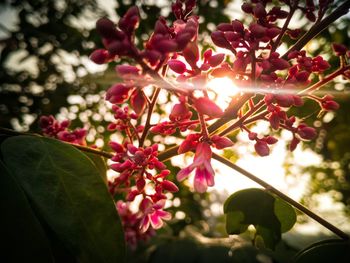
[
  {"x": 144, "y": 224},
  {"x": 156, "y": 221},
  {"x": 200, "y": 182},
  {"x": 184, "y": 173}
]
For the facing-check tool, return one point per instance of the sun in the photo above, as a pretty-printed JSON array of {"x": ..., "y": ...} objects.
[{"x": 224, "y": 89}]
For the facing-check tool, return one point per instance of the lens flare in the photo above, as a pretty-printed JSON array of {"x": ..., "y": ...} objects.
[{"x": 224, "y": 90}]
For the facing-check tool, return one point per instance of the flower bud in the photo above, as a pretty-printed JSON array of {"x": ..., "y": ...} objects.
[
  {"x": 169, "y": 186},
  {"x": 205, "y": 106},
  {"x": 339, "y": 49},
  {"x": 259, "y": 11},
  {"x": 216, "y": 60},
  {"x": 279, "y": 63},
  {"x": 105, "y": 28},
  {"x": 138, "y": 101},
  {"x": 99, "y": 56},
  {"x": 306, "y": 133},
  {"x": 274, "y": 120},
  {"x": 177, "y": 66},
  {"x": 262, "y": 148},
  {"x": 221, "y": 142},
  {"x": 118, "y": 93},
  {"x": 166, "y": 46},
  {"x": 219, "y": 39},
  {"x": 293, "y": 144},
  {"x": 225, "y": 27},
  {"x": 127, "y": 70}
]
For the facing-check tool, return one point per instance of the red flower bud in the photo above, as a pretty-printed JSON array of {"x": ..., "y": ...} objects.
[
  {"x": 180, "y": 112},
  {"x": 328, "y": 104},
  {"x": 177, "y": 66},
  {"x": 131, "y": 195},
  {"x": 270, "y": 140},
  {"x": 205, "y": 106},
  {"x": 116, "y": 147},
  {"x": 100, "y": 56},
  {"x": 247, "y": 8},
  {"x": 302, "y": 76},
  {"x": 257, "y": 30},
  {"x": 274, "y": 120},
  {"x": 273, "y": 32},
  {"x": 259, "y": 11},
  {"x": 221, "y": 142},
  {"x": 138, "y": 101},
  {"x": 216, "y": 60},
  {"x": 279, "y": 63},
  {"x": 252, "y": 136},
  {"x": 191, "y": 54},
  {"x": 339, "y": 49},
  {"x": 118, "y": 93},
  {"x": 127, "y": 70},
  {"x": 166, "y": 46},
  {"x": 105, "y": 28},
  {"x": 293, "y": 144},
  {"x": 305, "y": 132},
  {"x": 284, "y": 100},
  {"x": 237, "y": 26},
  {"x": 225, "y": 27},
  {"x": 169, "y": 186},
  {"x": 262, "y": 148},
  {"x": 219, "y": 39}
]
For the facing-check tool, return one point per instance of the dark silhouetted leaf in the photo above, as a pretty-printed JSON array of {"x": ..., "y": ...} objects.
[
  {"x": 271, "y": 216},
  {"x": 333, "y": 250},
  {"x": 100, "y": 164},
  {"x": 69, "y": 195},
  {"x": 21, "y": 234}
]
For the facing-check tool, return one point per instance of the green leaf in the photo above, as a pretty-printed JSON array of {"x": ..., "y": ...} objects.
[
  {"x": 333, "y": 250},
  {"x": 285, "y": 214},
  {"x": 100, "y": 164},
  {"x": 69, "y": 195},
  {"x": 270, "y": 215},
  {"x": 21, "y": 234}
]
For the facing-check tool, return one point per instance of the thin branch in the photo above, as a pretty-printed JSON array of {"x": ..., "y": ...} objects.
[
  {"x": 325, "y": 80},
  {"x": 285, "y": 27},
  {"x": 281, "y": 195},
  {"x": 317, "y": 28},
  {"x": 149, "y": 115}
]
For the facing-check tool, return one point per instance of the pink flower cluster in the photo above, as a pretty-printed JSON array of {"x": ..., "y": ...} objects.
[
  {"x": 141, "y": 175},
  {"x": 270, "y": 84},
  {"x": 53, "y": 128}
]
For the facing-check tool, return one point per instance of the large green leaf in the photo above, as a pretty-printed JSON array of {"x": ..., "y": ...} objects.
[
  {"x": 325, "y": 251},
  {"x": 100, "y": 164},
  {"x": 69, "y": 195},
  {"x": 270, "y": 216},
  {"x": 21, "y": 234}
]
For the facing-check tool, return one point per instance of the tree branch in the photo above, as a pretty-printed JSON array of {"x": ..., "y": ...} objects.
[{"x": 317, "y": 28}]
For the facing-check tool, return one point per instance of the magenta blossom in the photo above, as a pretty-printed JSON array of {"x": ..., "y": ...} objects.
[
  {"x": 153, "y": 214},
  {"x": 204, "y": 176}
]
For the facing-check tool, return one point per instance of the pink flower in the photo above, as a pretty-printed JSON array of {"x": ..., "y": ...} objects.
[
  {"x": 204, "y": 176},
  {"x": 153, "y": 214}
]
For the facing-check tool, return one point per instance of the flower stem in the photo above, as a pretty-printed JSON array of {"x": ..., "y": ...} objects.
[
  {"x": 149, "y": 115},
  {"x": 285, "y": 27},
  {"x": 317, "y": 28},
  {"x": 281, "y": 195}
]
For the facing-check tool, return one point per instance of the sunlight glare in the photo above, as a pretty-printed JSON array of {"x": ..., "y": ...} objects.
[{"x": 224, "y": 89}]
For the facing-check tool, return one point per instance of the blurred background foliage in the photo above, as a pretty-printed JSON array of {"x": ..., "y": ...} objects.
[{"x": 44, "y": 69}]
